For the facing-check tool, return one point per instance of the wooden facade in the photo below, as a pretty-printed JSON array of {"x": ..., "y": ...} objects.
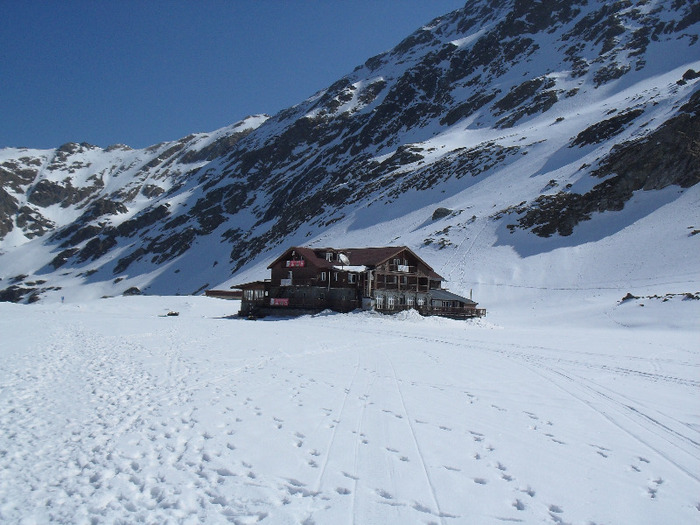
[{"x": 387, "y": 279}]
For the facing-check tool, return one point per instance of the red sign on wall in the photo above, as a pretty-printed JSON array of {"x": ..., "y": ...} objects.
[
  {"x": 279, "y": 301},
  {"x": 295, "y": 264}
]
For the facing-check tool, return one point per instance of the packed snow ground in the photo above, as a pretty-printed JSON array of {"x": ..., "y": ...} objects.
[{"x": 111, "y": 411}]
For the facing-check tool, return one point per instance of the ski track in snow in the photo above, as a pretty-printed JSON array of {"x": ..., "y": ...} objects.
[{"x": 119, "y": 415}]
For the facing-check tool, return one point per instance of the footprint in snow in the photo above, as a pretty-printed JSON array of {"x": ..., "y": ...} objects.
[
  {"x": 529, "y": 491},
  {"x": 421, "y": 508},
  {"x": 384, "y": 494},
  {"x": 654, "y": 488}
]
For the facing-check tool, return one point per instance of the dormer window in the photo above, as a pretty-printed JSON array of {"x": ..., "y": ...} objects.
[{"x": 329, "y": 256}]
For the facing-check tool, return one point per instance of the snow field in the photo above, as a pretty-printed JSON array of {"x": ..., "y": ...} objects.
[{"x": 113, "y": 412}]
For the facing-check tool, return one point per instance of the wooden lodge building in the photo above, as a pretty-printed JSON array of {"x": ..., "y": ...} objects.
[{"x": 308, "y": 280}]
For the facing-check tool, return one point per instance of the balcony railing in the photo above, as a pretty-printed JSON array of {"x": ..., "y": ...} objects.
[
  {"x": 409, "y": 287},
  {"x": 455, "y": 313},
  {"x": 402, "y": 268}
]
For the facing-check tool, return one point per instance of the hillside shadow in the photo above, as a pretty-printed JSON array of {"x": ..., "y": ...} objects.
[
  {"x": 562, "y": 157},
  {"x": 600, "y": 226}
]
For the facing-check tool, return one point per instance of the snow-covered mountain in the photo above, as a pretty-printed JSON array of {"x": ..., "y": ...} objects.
[{"x": 514, "y": 145}]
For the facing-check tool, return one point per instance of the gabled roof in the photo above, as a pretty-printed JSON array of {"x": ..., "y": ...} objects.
[
  {"x": 308, "y": 254},
  {"x": 369, "y": 257}
]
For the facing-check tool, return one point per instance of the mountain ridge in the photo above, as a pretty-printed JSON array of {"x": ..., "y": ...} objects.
[{"x": 540, "y": 103}]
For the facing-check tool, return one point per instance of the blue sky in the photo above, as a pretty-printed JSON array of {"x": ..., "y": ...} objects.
[{"x": 142, "y": 72}]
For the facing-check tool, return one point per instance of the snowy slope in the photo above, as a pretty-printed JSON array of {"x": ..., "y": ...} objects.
[
  {"x": 114, "y": 412},
  {"x": 559, "y": 135}
]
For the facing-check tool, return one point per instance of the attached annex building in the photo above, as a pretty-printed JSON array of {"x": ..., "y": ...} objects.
[{"x": 387, "y": 279}]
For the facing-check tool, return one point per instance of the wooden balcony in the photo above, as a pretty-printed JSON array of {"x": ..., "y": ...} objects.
[{"x": 403, "y": 268}]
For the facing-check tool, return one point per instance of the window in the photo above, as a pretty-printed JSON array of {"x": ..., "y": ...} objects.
[
  {"x": 329, "y": 256},
  {"x": 323, "y": 276},
  {"x": 352, "y": 278},
  {"x": 335, "y": 276},
  {"x": 421, "y": 302},
  {"x": 253, "y": 295},
  {"x": 380, "y": 302},
  {"x": 390, "y": 302},
  {"x": 409, "y": 301}
]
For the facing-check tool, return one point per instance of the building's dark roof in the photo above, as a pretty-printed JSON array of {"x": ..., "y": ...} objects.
[
  {"x": 446, "y": 295},
  {"x": 253, "y": 284},
  {"x": 370, "y": 257}
]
